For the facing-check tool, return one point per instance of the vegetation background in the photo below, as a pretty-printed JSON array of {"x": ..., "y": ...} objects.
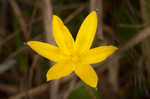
[{"x": 124, "y": 23}]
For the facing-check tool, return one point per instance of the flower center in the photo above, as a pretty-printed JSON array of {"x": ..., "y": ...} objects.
[{"x": 75, "y": 58}]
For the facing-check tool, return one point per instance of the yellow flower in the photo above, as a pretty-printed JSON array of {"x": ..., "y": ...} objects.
[{"x": 73, "y": 56}]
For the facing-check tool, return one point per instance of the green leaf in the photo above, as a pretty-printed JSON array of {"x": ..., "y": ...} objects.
[{"x": 82, "y": 92}]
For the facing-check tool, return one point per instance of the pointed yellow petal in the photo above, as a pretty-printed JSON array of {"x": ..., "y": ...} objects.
[
  {"x": 86, "y": 32},
  {"x": 87, "y": 74},
  {"x": 59, "y": 70},
  {"x": 98, "y": 54},
  {"x": 46, "y": 50},
  {"x": 62, "y": 35}
]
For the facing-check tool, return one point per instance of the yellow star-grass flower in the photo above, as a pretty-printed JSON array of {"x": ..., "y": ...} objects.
[{"x": 73, "y": 56}]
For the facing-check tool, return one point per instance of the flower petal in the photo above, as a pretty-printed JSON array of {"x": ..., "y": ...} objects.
[
  {"x": 59, "y": 70},
  {"x": 62, "y": 35},
  {"x": 86, "y": 32},
  {"x": 87, "y": 74},
  {"x": 98, "y": 54},
  {"x": 46, "y": 50}
]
